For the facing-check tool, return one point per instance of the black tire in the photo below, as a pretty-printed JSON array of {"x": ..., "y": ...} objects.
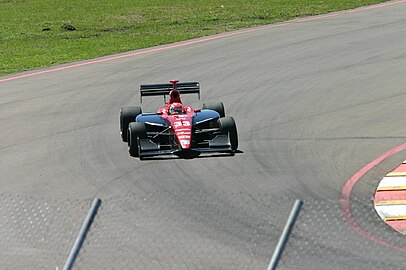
[
  {"x": 127, "y": 115},
  {"x": 215, "y": 106},
  {"x": 227, "y": 126},
  {"x": 136, "y": 131}
]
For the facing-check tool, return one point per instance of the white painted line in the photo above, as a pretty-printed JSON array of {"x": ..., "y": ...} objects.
[
  {"x": 395, "y": 218},
  {"x": 391, "y": 202},
  {"x": 390, "y": 211},
  {"x": 392, "y": 183},
  {"x": 200, "y": 40},
  {"x": 396, "y": 174}
]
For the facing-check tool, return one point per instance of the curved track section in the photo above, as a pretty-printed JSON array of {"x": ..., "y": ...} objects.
[{"x": 314, "y": 102}]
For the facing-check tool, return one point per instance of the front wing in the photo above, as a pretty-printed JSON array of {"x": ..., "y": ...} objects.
[{"x": 219, "y": 144}]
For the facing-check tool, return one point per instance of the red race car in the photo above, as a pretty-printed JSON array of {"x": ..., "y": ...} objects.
[{"x": 176, "y": 128}]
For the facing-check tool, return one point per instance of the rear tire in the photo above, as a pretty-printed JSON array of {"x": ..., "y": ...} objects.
[
  {"x": 127, "y": 115},
  {"x": 215, "y": 106},
  {"x": 227, "y": 126},
  {"x": 136, "y": 131}
]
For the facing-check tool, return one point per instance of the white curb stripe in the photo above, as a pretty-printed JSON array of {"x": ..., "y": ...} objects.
[
  {"x": 391, "y": 211},
  {"x": 392, "y": 183}
]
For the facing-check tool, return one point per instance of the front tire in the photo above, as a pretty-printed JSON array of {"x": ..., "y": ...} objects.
[
  {"x": 227, "y": 126},
  {"x": 127, "y": 115},
  {"x": 136, "y": 131},
  {"x": 215, "y": 106}
]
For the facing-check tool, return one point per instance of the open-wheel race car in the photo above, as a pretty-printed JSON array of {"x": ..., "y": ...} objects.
[{"x": 177, "y": 129}]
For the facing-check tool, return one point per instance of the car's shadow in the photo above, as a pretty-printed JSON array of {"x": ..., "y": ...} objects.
[{"x": 194, "y": 156}]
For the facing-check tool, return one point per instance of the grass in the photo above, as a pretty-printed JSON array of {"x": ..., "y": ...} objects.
[{"x": 32, "y": 36}]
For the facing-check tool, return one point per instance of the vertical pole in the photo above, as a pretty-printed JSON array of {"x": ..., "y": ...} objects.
[
  {"x": 82, "y": 234},
  {"x": 285, "y": 235}
]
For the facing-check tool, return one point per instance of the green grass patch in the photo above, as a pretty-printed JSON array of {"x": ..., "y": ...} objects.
[{"x": 32, "y": 33}]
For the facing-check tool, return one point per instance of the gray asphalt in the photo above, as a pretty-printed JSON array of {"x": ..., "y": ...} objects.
[{"x": 314, "y": 102}]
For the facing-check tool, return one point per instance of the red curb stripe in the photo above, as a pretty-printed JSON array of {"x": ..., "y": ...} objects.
[
  {"x": 400, "y": 168},
  {"x": 187, "y": 43},
  {"x": 346, "y": 196},
  {"x": 398, "y": 225},
  {"x": 390, "y": 195}
]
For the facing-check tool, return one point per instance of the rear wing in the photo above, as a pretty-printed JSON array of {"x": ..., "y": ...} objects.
[{"x": 164, "y": 89}]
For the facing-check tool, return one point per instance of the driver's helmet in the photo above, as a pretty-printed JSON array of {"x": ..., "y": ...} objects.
[{"x": 176, "y": 108}]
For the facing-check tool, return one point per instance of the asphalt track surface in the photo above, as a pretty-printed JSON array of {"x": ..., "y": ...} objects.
[{"x": 314, "y": 102}]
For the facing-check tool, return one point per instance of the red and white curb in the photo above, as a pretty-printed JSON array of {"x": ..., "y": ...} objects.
[{"x": 390, "y": 198}]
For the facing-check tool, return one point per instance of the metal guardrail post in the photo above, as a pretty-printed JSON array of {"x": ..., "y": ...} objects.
[
  {"x": 82, "y": 234},
  {"x": 285, "y": 235}
]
